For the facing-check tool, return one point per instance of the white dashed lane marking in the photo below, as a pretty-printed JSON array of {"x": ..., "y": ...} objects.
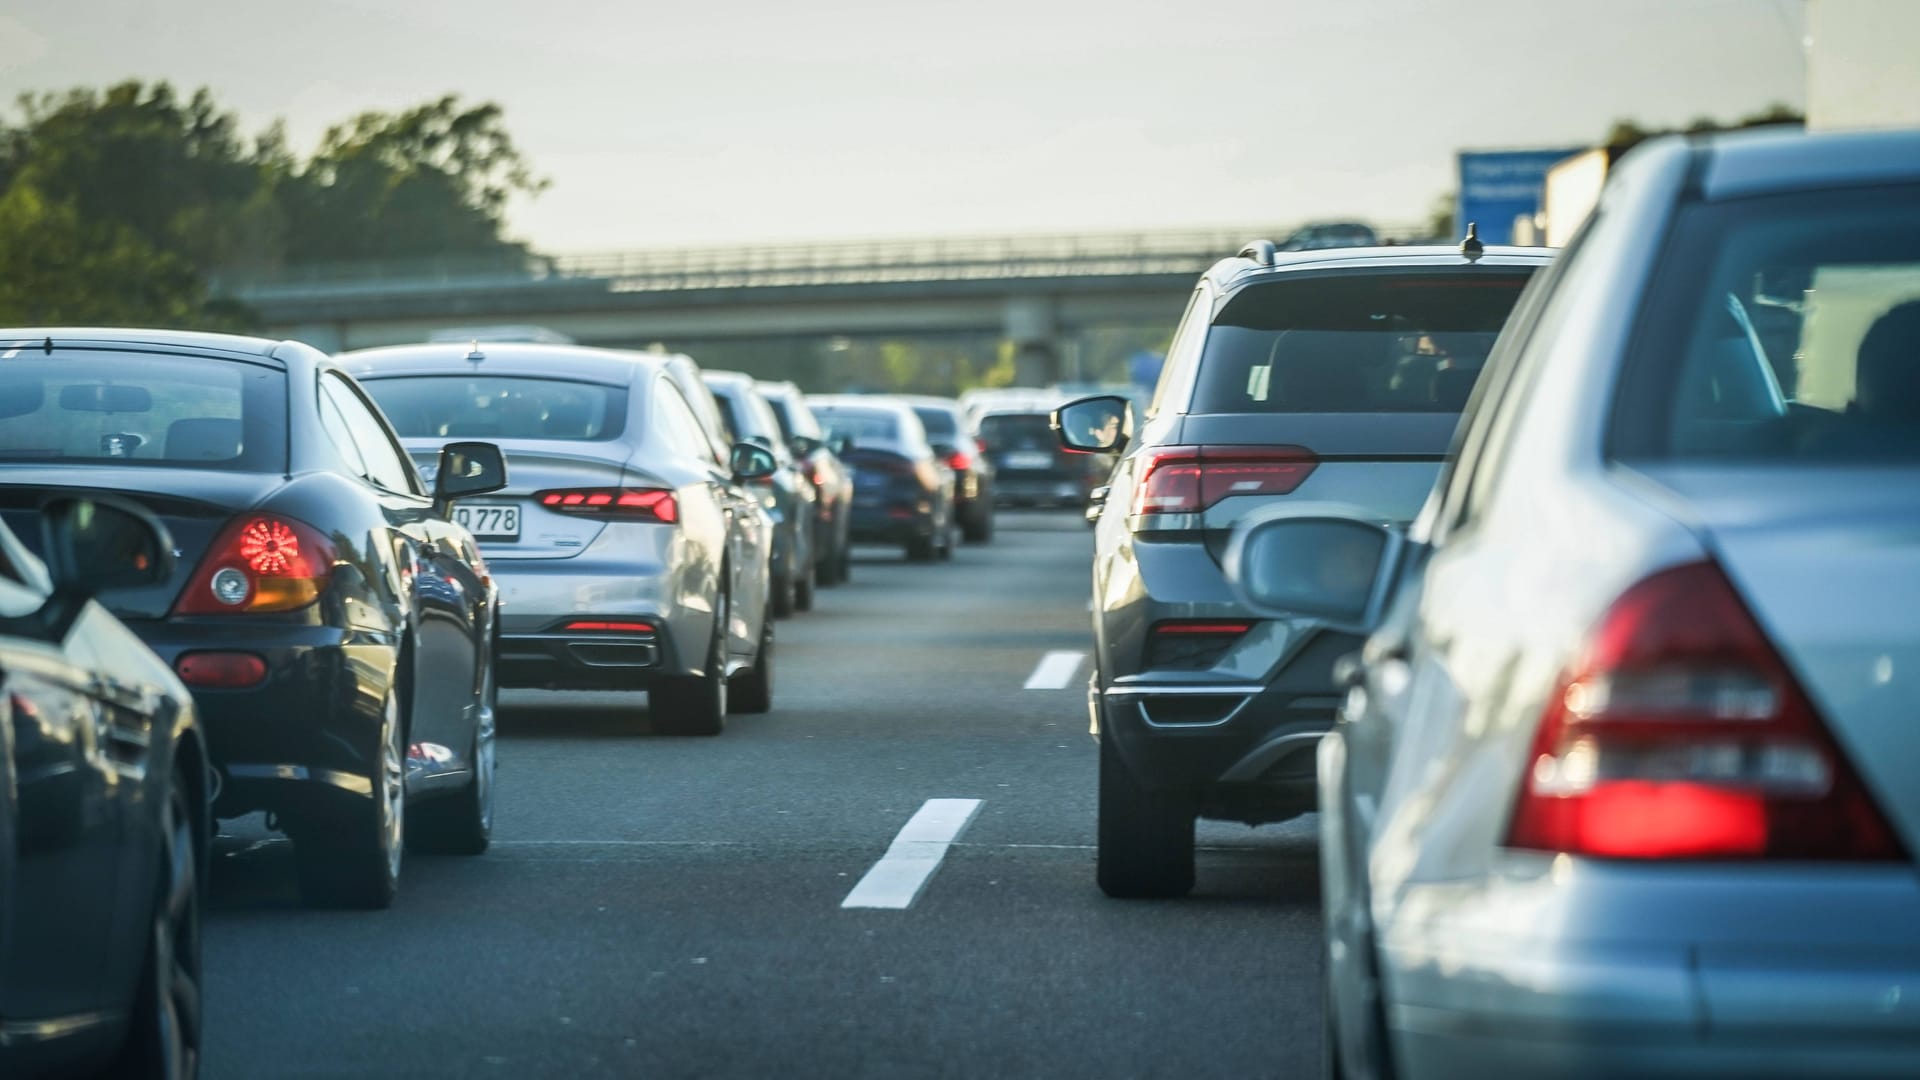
[
  {"x": 1055, "y": 670},
  {"x": 896, "y": 880}
]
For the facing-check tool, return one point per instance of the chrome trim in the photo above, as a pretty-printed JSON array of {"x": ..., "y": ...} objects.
[
  {"x": 359, "y": 785},
  {"x": 27, "y": 1032},
  {"x": 1156, "y": 690},
  {"x": 1167, "y": 726}
]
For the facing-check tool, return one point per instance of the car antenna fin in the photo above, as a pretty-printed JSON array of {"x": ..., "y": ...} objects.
[
  {"x": 47, "y": 346},
  {"x": 1471, "y": 247}
]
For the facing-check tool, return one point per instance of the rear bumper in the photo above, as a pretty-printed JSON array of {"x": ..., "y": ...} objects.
[
  {"x": 556, "y": 659},
  {"x": 539, "y": 597},
  {"x": 306, "y": 737},
  {"x": 1572, "y": 968},
  {"x": 1057, "y": 489},
  {"x": 889, "y": 524}
]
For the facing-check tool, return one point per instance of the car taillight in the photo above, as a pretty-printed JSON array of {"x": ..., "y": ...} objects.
[
  {"x": 220, "y": 670},
  {"x": 1681, "y": 734},
  {"x": 259, "y": 563},
  {"x": 959, "y": 461},
  {"x": 1189, "y": 479},
  {"x": 620, "y": 504},
  {"x": 602, "y": 626}
]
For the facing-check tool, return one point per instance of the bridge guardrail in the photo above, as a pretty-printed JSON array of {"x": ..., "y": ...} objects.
[{"x": 761, "y": 266}]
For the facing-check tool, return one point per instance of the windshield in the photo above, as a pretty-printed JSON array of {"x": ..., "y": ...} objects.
[
  {"x": 1785, "y": 330},
  {"x": 139, "y": 409},
  {"x": 500, "y": 407}
]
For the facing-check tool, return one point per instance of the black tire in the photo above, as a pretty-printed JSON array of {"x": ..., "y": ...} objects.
[
  {"x": 352, "y": 859},
  {"x": 804, "y": 589},
  {"x": 843, "y": 573},
  {"x": 783, "y": 595},
  {"x": 980, "y": 529},
  {"x": 1145, "y": 840},
  {"x": 752, "y": 689},
  {"x": 920, "y": 549},
  {"x": 462, "y": 823},
  {"x": 163, "y": 1037},
  {"x": 695, "y": 704}
]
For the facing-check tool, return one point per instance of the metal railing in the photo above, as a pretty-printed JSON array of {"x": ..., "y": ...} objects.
[{"x": 774, "y": 265}]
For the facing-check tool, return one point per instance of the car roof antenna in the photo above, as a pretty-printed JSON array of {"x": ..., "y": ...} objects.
[
  {"x": 47, "y": 347},
  {"x": 1471, "y": 247},
  {"x": 473, "y": 352}
]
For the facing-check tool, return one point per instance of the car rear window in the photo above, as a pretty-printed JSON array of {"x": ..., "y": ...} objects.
[
  {"x": 1356, "y": 343},
  {"x": 1017, "y": 429},
  {"x": 500, "y": 407},
  {"x": 1782, "y": 329},
  {"x": 940, "y": 424},
  {"x": 142, "y": 409},
  {"x": 860, "y": 425}
]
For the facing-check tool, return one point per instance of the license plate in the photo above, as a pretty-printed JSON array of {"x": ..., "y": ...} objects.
[
  {"x": 1028, "y": 459},
  {"x": 869, "y": 481},
  {"x": 488, "y": 521}
]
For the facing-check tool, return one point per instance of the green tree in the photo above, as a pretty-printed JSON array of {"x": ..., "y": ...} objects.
[
  {"x": 61, "y": 269},
  {"x": 433, "y": 180}
]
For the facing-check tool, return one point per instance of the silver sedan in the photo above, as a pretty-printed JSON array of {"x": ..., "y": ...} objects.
[
  {"x": 629, "y": 555},
  {"x": 1628, "y": 778}
]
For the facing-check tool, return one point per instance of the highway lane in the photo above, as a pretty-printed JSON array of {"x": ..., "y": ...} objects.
[{"x": 660, "y": 906}]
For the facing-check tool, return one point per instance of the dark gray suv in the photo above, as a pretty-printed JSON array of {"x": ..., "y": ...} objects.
[{"x": 1333, "y": 377}]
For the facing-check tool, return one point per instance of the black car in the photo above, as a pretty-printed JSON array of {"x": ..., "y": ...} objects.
[
  {"x": 902, "y": 491},
  {"x": 103, "y": 813},
  {"x": 946, "y": 424},
  {"x": 1310, "y": 378},
  {"x": 788, "y": 494},
  {"x": 1030, "y": 467},
  {"x": 832, "y": 481},
  {"x": 335, "y": 626}
]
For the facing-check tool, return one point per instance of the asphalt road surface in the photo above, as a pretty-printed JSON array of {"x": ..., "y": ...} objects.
[{"x": 676, "y": 907}]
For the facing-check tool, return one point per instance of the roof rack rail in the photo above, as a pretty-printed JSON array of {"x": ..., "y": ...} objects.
[{"x": 1260, "y": 251}]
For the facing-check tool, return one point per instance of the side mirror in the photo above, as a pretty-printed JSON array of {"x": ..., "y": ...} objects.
[
  {"x": 467, "y": 469},
  {"x": 751, "y": 461},
  {"x": 840, "y": 445},
  {"x": 94, "y": 544},
  {"x": 804, "y": 445},
  {"x": 1324, "y": 561},
  {"x": 1094, "y": 425}
]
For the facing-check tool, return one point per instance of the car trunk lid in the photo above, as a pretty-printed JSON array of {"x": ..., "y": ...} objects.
[{"x": 511, "y": 523}]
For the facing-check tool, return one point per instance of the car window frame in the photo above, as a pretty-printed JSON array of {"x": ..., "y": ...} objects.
[
  {"x": 1183, "y": 351},
  {"x": 408, "y": 475},
  {"x": 692, "y": 436}
]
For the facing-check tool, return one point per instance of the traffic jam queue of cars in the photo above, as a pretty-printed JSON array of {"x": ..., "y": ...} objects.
[
  {"x": 1573, "y": 591},
  {"x": 240, "y": 576}
]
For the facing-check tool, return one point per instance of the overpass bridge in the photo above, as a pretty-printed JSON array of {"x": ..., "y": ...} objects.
[{"x": 1037, "y": 291}]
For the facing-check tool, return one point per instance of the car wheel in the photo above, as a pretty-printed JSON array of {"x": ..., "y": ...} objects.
[
  {"x": 164, "y": 1036},
  {"x": 804, "y": 589},
  {"x": 462, "y": 823},
  {"x": 783, "y": 594},
  {"x": 696, "y": 704},
  {"x": 980, "y": 529},
  {"x": 353, "y": 860},
  {"x": 752, "y": 689},
  {"x": 1145, "y": 840},
  {"x": 920, "y": 549}
]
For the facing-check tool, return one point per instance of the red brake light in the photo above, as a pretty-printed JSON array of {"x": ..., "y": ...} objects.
[
  {"x": 601, "y": 626},
  {"x": 1202, "y": 628},
  {"x": 622, "y": 504},
  {"x": 959, "y": 461},
  {"x": 259, "y": 563},
  {"x": 1682, "y": 734},
  {"x": 1189, "y": 479}
]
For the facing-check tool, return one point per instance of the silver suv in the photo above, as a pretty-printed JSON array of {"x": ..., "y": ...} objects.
[{"x": 1310, "y": 377}]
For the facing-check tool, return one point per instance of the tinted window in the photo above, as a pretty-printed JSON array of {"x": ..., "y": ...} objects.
[
  {"x": 1404, "y": 342},
  {"x": 500, "y": 407},
  {"x": 1017, "y": 430},
  {"x": 861, "y": 426},
  {"x": 676, "y": 420},
  {"x": 939, "y": 423},
  {"x": 141, "y": 409},
  {"x": 1780, "y": 329},
  {"x": 794, "y": 418}
]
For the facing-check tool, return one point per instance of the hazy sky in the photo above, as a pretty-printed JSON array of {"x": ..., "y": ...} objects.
[{"x": 692, "y": 123}]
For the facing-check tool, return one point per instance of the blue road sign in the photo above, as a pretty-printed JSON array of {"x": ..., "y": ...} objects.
[{"x": 1500, "y": 185}]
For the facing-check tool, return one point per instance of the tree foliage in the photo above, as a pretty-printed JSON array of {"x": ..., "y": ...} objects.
[{"x": 118, "y": 204}]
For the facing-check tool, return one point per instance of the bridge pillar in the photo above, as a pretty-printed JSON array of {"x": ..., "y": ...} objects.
[{"x": 1029, "y": 322}]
